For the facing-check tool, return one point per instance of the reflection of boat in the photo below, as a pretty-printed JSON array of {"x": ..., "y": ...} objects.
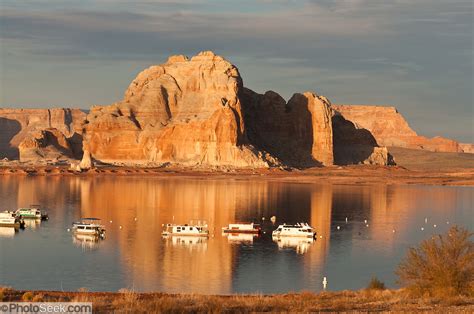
[
  {"x": 199, "y": 230},
  {"x": 193, "y": 243},
  {"x": 241, "y": 237},
  {"x": 299, "y": 230},
  {"x": 86, "y": 241},
  {"x": 7, "y": 232},
  {"x": 32, "y": 223},
  {"x": 9, "y": 219},
  {"x": 242, "y": 228},
  {"x": 32, "y": 212},
  {"x": 301, "y": 245},
  {"x": 89, "y": 226}
]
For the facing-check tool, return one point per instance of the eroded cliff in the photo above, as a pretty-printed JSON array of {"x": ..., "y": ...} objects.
[
  {"x": 35, "y": 134},
  {"x": 390, "y": 128}
]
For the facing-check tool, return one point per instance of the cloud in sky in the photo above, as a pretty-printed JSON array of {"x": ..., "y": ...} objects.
[{"x": 416, "y": 55}]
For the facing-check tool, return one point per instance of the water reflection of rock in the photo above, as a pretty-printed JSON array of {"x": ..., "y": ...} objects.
[{"x": 142, "y": 205}]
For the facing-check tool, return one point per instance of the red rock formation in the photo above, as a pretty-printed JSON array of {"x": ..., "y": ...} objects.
[
  {"x": 45, "y": 144},
  {"x": 183, "y": 111},
  {"x": 299, "y": 132},
  {"x": 17, "y": 125},
  {"x": 389, "y": 128},
  {"x": 467, "y": 148},
  {"x": 355, "y": 145}
]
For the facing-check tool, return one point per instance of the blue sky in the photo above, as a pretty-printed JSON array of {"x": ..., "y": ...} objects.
[{"x": 414, "y": 55}]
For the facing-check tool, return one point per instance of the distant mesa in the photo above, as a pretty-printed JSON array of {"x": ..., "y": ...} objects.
[{"x": 197, "y": 112}]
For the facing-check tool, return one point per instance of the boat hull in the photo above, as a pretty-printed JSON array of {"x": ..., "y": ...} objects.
[
  {"x": 165, "y": 234},
  {"x": 236, "y": 231}
]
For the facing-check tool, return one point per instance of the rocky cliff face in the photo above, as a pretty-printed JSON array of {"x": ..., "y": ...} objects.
[
  {"x": 299, "y": 133},
  {"x": 33, "y": 134},
  {"x": 390, "y": 128},
  {"x": 186, "y": 111},
  {"x": 356, "y": 145}
]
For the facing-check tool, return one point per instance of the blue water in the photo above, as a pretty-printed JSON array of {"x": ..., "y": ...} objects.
[{"x": 135, "y": 256}]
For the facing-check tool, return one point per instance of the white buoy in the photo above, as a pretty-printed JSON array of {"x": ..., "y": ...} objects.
[
  {"x": 338, "y": 227},
  {"x": 325, "y": 283}
]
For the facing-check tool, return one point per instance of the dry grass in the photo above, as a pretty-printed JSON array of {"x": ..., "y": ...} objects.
[{"x": 126, "y": 301}]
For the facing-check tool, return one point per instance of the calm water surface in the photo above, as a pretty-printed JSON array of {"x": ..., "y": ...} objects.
[{"x": 47, "y": 256}]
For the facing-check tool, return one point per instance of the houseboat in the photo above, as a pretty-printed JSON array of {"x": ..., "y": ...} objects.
[
  {"x": 10, "y": 219},
  {"x": 89, "y": 226},
  {"x": 242, "y": 228},
  {"x": 298, "y": 230},
  {"x": 186, "y": 230},
  {"x": 32, "y": 212}
]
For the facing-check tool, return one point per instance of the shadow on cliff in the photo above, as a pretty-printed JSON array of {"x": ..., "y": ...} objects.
[
  {"x": 352, "y": 145},
  {"x": 8, "y": 129},
  {"x": 282, "y": 129}
]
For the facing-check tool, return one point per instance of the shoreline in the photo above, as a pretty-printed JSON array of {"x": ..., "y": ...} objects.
[
  {"x": 347, "y": 300},
  {"x": 360, "y": 174}
]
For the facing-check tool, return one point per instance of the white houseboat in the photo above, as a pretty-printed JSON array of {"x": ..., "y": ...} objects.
[
  {"x": 242, "y": 228},
  {"x": 10, "y": 219},
  {"x": 32, "y": 212},
  {"x": 89, "y": 226},
  {"x": 199, "y": 230},
  {"x": 298, "y": 230}
]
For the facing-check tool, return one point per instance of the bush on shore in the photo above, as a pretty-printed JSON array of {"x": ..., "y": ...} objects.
[{"x": 442, "y": 266}]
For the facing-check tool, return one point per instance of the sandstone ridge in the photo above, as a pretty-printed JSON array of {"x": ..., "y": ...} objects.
[{"x": 390, "y": 128}]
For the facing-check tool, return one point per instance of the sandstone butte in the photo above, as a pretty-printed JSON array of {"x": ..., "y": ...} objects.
[{"x": 196, "y": 112}]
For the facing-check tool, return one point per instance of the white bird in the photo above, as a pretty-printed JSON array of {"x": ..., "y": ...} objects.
[
  {"x": 434, "y": 226},
  {"x": 320, "y": 236},
  {"x": 365, "y": 221},
  {"x": 136, "y": 219},
  {"x": 426, "y": 220},
  {"x": 367, "y": 225},
  {"x": 393, "y": 230},
  {"x": 338, "y": 227},
  {"x": 422, "y": 228},
  {"x": 110, "y": 221},
  {"x": 68, "y": 229},
  {"x": 120, "y": 227},
  {"x": 346, "y": 219}
]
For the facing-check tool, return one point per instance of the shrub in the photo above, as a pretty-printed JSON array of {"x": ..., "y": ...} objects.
[
  {"x": 375, "y": 284},
  {"x": 442, "y": 266},
  {"x": 27, "y": 296}
]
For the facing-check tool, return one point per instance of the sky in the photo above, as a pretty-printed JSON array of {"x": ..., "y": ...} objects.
[{"x": 414, "y": 55}]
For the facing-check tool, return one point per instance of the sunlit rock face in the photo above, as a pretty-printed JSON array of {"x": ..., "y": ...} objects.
[
  {"x": 299, "y": 132},
  {"x": 186, "y": 111},
  {"x": 41, "y": 129},
  {"x": 390, "y": 128}
]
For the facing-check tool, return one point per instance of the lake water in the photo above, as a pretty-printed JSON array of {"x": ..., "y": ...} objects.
[{"x": 135, "y": 256}]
